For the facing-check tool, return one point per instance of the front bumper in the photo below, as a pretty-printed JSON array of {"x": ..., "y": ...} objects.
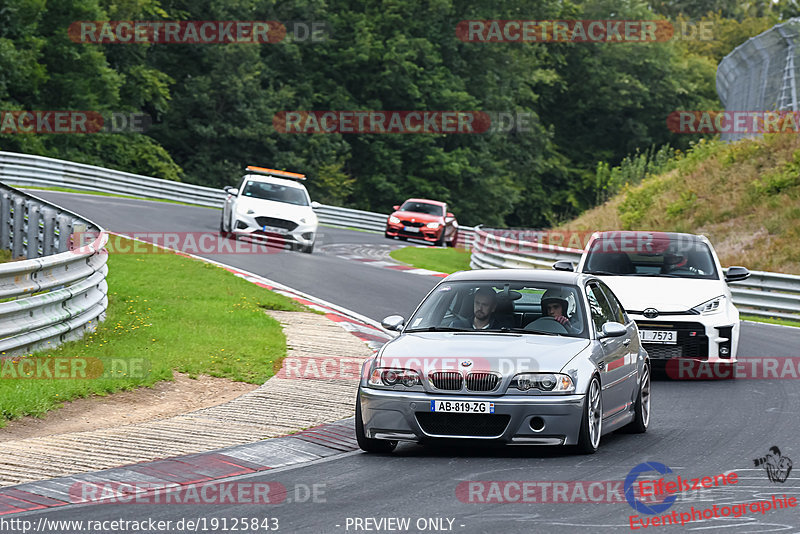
[
  {"x": 393, "y": 415},
  {"x": 425, "y": 233},
  {"x": 303, "y": 234},
  {"x": 710, "y": 339}
]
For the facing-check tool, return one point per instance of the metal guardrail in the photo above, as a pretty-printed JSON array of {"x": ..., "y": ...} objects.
[
  {"x": 763, "y": 294},
  {"x": 59, "y": 291},
  {"x": 38, "y": 171}
]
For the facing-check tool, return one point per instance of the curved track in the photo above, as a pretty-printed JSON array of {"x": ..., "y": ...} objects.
[{"x": 697, "y": 428}]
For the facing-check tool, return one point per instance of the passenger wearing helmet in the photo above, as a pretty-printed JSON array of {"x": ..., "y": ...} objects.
[{"x": 555, "y": 305}]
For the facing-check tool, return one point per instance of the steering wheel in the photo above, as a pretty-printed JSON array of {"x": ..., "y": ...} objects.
[{"x": 547, "y": 324}]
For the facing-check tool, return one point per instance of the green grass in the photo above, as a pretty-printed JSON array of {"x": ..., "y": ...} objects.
[
  {"x": 444, "y": 260},
  {"x": 166, "y": 312},
  {"x": 770, "y": 320},
  {"x": 102, "y": 194}
]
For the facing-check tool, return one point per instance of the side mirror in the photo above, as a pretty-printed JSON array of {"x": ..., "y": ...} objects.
[
  {"x": 231, "y": 190},
  {"x": 393, "y": 322},
  {"x": 736, "y": 273},
  {"x": 395, "y": 208},
  {"x": 613, "y": 329},
  {"x": 450, "y": 215},
  {"x": 315, "y": 205},
  {"x": 563, "y": 265}
]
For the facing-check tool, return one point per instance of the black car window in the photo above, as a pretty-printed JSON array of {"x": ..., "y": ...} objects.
[
  {"x": 422, "y": 207},
  {"x": 598, "y": 306},
  {"x": 650, "y": 255},
  {"x": 276, "y": 192},
  {"x": 616, "y": 307}
]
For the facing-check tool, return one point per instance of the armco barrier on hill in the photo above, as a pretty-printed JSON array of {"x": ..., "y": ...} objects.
[{"x": 55, "y": 294}]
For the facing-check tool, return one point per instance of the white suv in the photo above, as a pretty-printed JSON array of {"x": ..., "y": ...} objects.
[
  {"x": 673, "y": 286},
  {"x": 271, "y": 204}
]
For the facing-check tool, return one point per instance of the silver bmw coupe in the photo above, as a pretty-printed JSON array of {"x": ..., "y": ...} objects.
[{"x": 516, "y": 356}]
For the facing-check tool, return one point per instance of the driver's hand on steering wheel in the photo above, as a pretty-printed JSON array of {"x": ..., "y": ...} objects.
[{"x": 561, "y": 319}]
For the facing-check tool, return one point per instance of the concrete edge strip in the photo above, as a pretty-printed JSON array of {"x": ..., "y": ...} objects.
[{"x": 170, "y": 478}]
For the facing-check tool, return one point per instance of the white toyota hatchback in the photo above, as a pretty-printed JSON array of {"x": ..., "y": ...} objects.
[
  {"x": 673, "y": 286},
  {"x": 271, "y": 204}
]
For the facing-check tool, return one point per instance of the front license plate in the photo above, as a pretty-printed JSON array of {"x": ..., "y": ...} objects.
[
  {"x": 461, "y": 406},
  {"x": 274, "y": 230},
  {"x": 412, "y": 229},
  {"x": 667, "y": 337}
]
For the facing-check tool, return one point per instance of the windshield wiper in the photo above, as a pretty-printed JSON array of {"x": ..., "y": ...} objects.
[
  {"x": 438, "y": 329},
  {"x": 525, "y": 331},
  {"x": 602, "y": 272},
  {"x": 657, "y": 275}
]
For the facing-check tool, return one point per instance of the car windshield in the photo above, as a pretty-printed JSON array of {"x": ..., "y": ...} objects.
[
  {"x": 658, "y": 257},
  {"x": 276, "y": 192},
  {"x": 423, "y": 207},
  {"x": 502, "y": 306}
]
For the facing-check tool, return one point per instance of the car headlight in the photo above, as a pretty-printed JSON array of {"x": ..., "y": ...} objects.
[
  {"x": 433, "y": 225},
  {"x": 549, "y": 382},
  {"x": 394, "y": 220},
  {"x": 715, "y": 305},
  {"x": 394, "y": 377}
]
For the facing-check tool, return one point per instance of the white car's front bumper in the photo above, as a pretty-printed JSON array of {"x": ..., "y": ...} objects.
[
  {"x": 712, "y": 338},
  {"x": 293, "y": 231}
]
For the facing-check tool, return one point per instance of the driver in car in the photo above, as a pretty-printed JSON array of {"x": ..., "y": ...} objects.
[
  {"x": 483, "y": 308},
  {"x": 555, "y": 305}
]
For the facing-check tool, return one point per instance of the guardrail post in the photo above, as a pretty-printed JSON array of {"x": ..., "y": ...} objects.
[
  {"x": 5, "y": 221},
  {"x": 33, "y": 233},
  {"x": 63, "y": 232},
  {"x": 17, "y": 227}
]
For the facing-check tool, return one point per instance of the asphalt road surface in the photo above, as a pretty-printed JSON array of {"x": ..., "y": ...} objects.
[{"x": 698, "y": 429}]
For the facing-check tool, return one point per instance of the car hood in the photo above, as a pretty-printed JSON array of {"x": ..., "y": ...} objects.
[
  {"x": 270, "y": 208},
  {"x": 504, "y": 353},
  {"x": 663, "y": 293},
  {"x": 419, "y": 217}
]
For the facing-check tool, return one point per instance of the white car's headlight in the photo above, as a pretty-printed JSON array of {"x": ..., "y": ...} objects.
[
  {"x": 433, "y": 225},
  {"x": 715, "y": 305},
  {"x": 550, "y": 382},
  {"x": 394, "y": 220}
]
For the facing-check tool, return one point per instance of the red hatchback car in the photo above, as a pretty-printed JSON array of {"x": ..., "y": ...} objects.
[{"x": 427, "y": 220}]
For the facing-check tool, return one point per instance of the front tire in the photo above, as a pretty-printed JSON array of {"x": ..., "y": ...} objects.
[
  {"x": 641, "y": 407},
  {"x": 440, "y": 241},
  {"x": 369, "y": 444},
  {"x": 592, "y": 421}
]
